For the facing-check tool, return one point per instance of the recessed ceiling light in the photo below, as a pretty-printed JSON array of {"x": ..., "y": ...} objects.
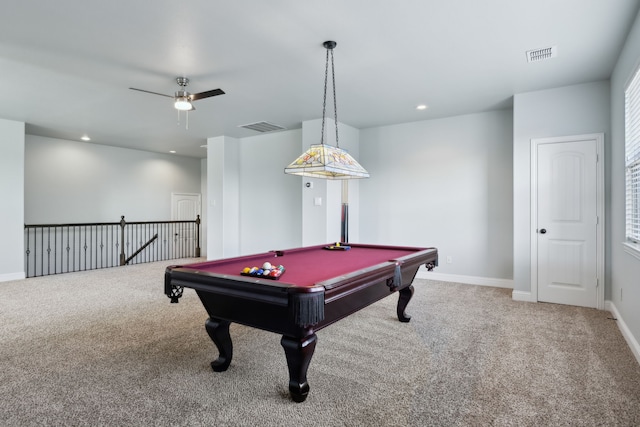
[
  {"x": 85, "y": 138},
  {"x": 422, "y": 107},
  {"x": 173, "y": 151}
]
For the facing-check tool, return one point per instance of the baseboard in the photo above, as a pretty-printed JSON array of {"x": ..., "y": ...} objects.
[
  {"x": 12, "y": 276},
  {"x": 469, "y": 280},
  {"x": 626, "y": 333},
  {"x": 523, "y": 296}
]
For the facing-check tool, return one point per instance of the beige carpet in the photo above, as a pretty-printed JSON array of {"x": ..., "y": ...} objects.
[{"x": 105, "y": 348}]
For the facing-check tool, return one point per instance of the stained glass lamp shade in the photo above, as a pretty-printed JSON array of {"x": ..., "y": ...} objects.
[{"x": 328, "y": 162}]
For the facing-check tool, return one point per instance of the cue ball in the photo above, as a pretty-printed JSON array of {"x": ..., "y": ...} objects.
[{"x": 267, "y": 266}]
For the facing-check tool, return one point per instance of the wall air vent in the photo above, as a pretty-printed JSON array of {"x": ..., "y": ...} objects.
[
  {"x": 262, "y": 126},
  {"x": 542, "y": 54}
]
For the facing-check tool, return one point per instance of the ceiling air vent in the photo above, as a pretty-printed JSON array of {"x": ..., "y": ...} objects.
[
  {"x": 542, "y": 54},
  {"x": 262, "y": 127}
]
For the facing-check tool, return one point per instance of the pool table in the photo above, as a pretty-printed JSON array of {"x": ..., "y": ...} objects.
[{"x": 318, "y": 285}]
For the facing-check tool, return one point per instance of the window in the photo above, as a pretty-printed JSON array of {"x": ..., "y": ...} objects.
[{"x": 632, "y": 158}]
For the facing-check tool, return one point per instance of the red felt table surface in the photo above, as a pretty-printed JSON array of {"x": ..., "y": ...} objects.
[{"x": 308, "y": 266}]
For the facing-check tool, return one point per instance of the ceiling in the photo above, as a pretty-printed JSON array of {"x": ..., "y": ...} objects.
[{"x": 66, "y": 65}]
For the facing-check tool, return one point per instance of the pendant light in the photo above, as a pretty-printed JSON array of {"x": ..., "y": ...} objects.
[{"x": 323, "y": 160}]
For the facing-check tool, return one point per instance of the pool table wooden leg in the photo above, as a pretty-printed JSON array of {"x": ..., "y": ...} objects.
[
  {"x": 403, "y": 301},
  {"x": 299, "y": 353},
  {"x": 218, "y": 330}
]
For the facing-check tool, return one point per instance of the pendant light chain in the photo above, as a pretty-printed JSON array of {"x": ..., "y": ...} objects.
[
  {"x": 324, "y": 100},
  {"x": 335, "y": 102}
]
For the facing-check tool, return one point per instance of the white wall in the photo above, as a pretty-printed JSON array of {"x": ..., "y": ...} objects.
[
  {"x": 252, "y": 205},
  {"x": 69, "y": 181},
  {"x": 350, "y": 141},
  {"x": 12, "y": 200},
  {"x": 316, "y": 224},
  {"x": 205, "y": 204},
  {"x": 445, "y": 183},
  {"x": 571, "y": 110},
  {"x": 223, "y": 187},
  {"x": 625, "y": 269},
  {"x": 269, "y": 200}
]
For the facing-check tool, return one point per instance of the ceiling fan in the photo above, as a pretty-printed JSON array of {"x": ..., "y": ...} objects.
[{"x": 183, "y": 99}]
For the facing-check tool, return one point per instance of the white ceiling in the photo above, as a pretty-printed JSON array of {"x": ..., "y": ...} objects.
[{"x": 66, "y": 65}]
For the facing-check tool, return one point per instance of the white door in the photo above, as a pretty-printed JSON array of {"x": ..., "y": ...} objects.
[
  {"x": 567, "y": 229},
  {"x": 184, "y": 207}
]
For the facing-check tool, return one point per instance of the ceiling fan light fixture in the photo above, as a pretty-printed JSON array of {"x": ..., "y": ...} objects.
[
  {"x": 183, "y": 104},
  {"x": 182, "y": 100}
]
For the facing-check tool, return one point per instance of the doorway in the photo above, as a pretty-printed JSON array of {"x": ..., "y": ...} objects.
[
  {"x": 185, "y": 207},
  {"x": 567, "y": 220}
]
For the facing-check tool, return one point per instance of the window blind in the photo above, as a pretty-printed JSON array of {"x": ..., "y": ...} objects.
[{"x": 632, "y": 158}]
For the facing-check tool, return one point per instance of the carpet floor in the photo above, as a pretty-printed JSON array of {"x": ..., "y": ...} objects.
[{"x": 106, "y": 348}]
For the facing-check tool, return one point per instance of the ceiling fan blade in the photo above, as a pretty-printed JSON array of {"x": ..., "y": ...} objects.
[
  {"x": 154, "y": 93},
  {"x": 207, "y": 94}
]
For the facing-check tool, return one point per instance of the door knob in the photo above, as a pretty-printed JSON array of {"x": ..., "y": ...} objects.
[{"x": 543, "y": 231}]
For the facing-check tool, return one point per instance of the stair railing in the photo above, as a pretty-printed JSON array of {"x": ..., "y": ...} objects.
[{"x": 64, "y": 248}]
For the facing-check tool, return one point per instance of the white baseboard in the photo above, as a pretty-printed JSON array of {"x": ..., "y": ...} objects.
[
  {"x": 523, "y": 296},
  {"x": 626, "y": 333},
  {"x": 469, "y": 280},
  {"x": 12, "y": 276}
]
